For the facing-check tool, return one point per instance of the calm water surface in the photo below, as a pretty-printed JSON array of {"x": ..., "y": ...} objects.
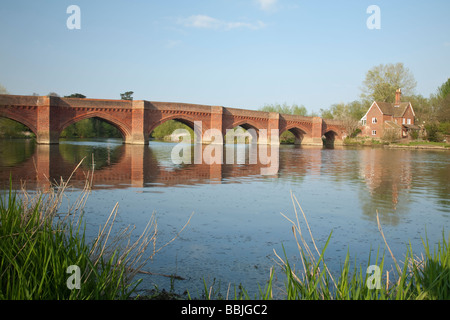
[{"x": 237, "y": 222}]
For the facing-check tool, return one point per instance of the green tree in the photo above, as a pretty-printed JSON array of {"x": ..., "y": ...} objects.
[
  {"x": 444, "y": 89},
  {"x": 75, "y": 95},
  {"x": 127, "y": 95},
  {"x": 91, "y": 128},
  {"x": 354, "y": 110},
  {"x": 326, "y": 113},
  {"x": 348, "y": 113},
  {"x": 423, "y": 108},
  {"x": 443, "y": 102},
  {"x": 164, "y": 130},
  {"x": 13, "y": 129},
  {"x": 382, "y": 81},
  {"x": 433, "y": 132},
  {"x": 285, "y": 109}
]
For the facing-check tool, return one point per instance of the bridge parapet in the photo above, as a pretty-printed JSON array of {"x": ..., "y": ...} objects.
[
  {"x": 16, "y": 100},
  {"x": 93, "y": 103},
  {"x": 175, "y": 106}
]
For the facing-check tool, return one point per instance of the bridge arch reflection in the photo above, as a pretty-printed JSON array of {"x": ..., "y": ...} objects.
[{"x": 118, "y": 165}]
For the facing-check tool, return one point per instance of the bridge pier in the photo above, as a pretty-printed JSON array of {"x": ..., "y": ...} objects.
[
  {"x": 216, "y": 123},
  {"x": 45, "y": 130},
  {"x": 316, "y": 134},
  {"x": 138, "y": 123}
]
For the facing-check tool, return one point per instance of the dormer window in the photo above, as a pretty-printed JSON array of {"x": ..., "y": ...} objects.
[{"x": 397, "y": 106}]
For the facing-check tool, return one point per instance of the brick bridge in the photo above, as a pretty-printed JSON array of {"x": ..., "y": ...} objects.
[{"x": 48, "y": 116}]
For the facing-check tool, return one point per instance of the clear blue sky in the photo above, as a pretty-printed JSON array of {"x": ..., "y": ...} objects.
[{"x": 235, "y": 53}]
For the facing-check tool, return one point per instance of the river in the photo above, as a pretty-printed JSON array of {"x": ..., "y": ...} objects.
[{"x": 237, "y": 222}]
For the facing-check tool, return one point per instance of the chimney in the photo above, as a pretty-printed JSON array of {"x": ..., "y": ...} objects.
[{"x": 398, "y": 96}]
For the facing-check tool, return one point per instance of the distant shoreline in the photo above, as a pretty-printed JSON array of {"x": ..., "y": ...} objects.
[{"x": 418, "y": 146}]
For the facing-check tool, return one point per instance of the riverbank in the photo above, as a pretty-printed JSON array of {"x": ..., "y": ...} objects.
[
  {"x": 407, "y": 145},
  {"x": 421, "y": 145}
]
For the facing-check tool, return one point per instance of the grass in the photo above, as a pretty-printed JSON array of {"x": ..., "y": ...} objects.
[
  {"x": 425, "y": 277},
  {"x": 363, "y": 141},
  {"x": 38, "y": 244},
  {"x": 417, "y": 278},
  {"x": 425, "y": 143}
]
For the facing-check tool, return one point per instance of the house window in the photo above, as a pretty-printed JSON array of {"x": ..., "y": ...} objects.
[
  {"x": 409, "y": 121},
  {"x": 374, "y": 132},
  {"x": 374, "y": 120},
  {"x": 404, "y": 121}
]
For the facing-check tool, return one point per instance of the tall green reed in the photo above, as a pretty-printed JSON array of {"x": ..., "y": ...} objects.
[
  {"x": 38, "y": 244},
  {"x": 425, "y": 277}
]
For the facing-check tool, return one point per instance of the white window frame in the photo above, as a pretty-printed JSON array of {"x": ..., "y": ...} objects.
[
  {"x": 404, "y": 121},
  {"x": 409, "y": 121},
  {"x": 374, "y": 120},
  {"x": 374, "y": 132}
]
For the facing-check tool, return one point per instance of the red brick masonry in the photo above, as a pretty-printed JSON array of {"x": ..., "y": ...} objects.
[{"x": 47, "y": 117}]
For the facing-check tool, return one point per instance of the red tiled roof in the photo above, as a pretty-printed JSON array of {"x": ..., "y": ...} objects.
[{"x": 392, "y": 109}]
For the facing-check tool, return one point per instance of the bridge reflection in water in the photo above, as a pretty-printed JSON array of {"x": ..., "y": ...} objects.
[{"x": 119, "y": 165}]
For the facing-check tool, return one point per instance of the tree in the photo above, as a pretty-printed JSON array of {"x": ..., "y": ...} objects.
[
  {"x": 326, "y": 113},
  {"x": 444, "y": 89},
  {"x": 444, "y": 109},
  {"x": 354, "y": 110},
  {"x": 3, "y": 90},
  {"x": 348, "y": 113},
  {"x": 382, "y": 82},
  {"x": 127, "y": 95},
  {"x": 53, "y": 94},
  {"x": 433, "y": 134},
  {"x": 423, "y": 108},
  {"x": 443, "y": 102},
  {"x": 285, "y": 109},
  {"x": 75, "y": 95}
]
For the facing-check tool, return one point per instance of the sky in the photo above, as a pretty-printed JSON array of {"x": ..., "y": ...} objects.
[{"x": 232, "y": 53}]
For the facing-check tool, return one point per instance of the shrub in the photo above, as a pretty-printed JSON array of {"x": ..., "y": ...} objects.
[
  {"x": 414, "y": 134},
  {"x": 391, "y": 135},
  {"x": 433, "y": 133},
  {"x": 444, "y": 127}
]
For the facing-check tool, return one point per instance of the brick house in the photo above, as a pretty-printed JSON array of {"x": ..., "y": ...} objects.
[{"x": 382, "y": 116}]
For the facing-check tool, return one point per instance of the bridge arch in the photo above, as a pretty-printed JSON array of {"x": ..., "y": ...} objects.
[
  {"x": 124, "y": 130},
  {"x": 329, "y": 137},
  {"x": 183, "y": 118},
  {"x": 17, "y": 117},
  {"x": 247, "y": 125},
  {"x": 298, "y": 131}
]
